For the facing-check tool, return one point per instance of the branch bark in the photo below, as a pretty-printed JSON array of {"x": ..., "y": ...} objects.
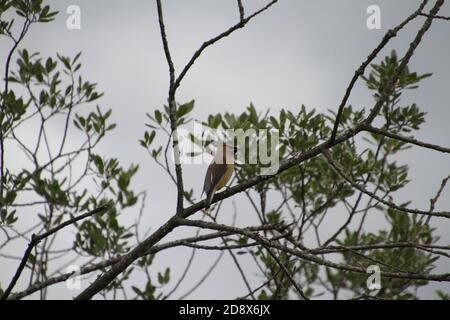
[
  {"x": 392, "y": 205},
  {"x": 181, "y": 214},
  {"x": 303, "y": 254},
  {"x": 360, "y": 71},
  {"x": 398, "y": 137},
  {"x": 36, "y": 239},
  {"x": 172, "y": 110}
]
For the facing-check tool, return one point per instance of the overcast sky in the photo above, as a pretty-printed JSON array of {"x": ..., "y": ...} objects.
[{"x": 298, "y": 52}]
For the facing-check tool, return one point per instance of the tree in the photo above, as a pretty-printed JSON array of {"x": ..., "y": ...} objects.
[{"x": 342, "y": 160}]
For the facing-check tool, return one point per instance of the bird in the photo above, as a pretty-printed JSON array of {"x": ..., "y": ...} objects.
[{"x": 219, "y": 172}]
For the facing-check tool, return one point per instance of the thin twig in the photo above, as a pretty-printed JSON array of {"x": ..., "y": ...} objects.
[
  {"x": 171, "y": 224},
  {"x": 210, "y": 42},
  {"x": 241, "y": 10},
  {"x": 36, "y": 239},
  {"x": 392, "y": 205},
  {"x": 360, "y": 71},
  {"x": 436, "y": 198},
  {"x": 172, "y": 110},
  {"x": 303, "y": 254},
  {"x": 406, "y": 139},
  {"x": 178, "y": 219},
  {"x": 286, "y": 271},
  {"x": 404, "y": 62},
  {"x": 260, "y": 287},
  {"x": 434, "y": 16}
]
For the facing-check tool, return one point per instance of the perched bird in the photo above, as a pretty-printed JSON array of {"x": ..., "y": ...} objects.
[{"x": 219, "y": 171}]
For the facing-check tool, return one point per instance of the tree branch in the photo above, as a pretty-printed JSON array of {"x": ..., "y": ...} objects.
[
  {"x": 425, "y": 247},
  {"x": 210, "y": 42},
  {"x": 286, "y": 272},
  {"x": 369, "y": 128},
  {"x": 260, "y": 287},
  {"x": 241, "y": 10},
  {"x": 100, "y": 283},
  {"x": 101, "y": 265},
  {"x": 205, "y": 276},
  {"x": 435, "y": 16},
  {"x": 404, "y": 62},
  {"x": 302, "y": 254},
  {"x": 172, "y": 110},
  {"x": 24, "y": 31},
  {"x": 36, "y": 239},
  {"x": 360, "y": 71},
  {"x": 392, "y": 205},
  {"x": 436, "y": 198}
]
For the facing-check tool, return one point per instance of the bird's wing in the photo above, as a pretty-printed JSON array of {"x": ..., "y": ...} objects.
[
  {"x": 225, "y": 177},
  {"x": 207, "y": 183},
  {"x": 213, "y": 175}
]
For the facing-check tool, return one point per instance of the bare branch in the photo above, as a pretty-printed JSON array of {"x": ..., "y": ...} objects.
[
  {"x": 241, "y": 10},
  {"x": 172, "y": 111},
  {"x": 339, "y": 171},
  {"x": 182, "y": 213},
  {"x": 101, "y": 265},
  {"x": 302, "y": 254},
  {"x": 205, "y": 276},
  {"x": 260, "y": 287},
  {"x": 171, "y": 223},
  {"x": 355, "y": 206},
  {"x": 406, "y": 139},
  {"x": 3, "y": 128},
  {"x": 165, "y": 43},
  {"x": 430, "y": 248},
  {"x": 210, "y": 42},
  {"x": 287, "y": 273},
  {"x": 436, "y": 198},
  {"x": 36, "y": 239},
  {"x": 360, "y": 71},
  {"x": 404, "y": 62},
  {"x": 435, "y": 16}
]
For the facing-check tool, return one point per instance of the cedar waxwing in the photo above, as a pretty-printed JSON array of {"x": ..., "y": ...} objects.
[{"x": 219, "y": 171}]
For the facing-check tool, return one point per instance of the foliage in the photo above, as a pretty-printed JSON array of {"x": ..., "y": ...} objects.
[
  {"x": 59, "y": 176},
  {"x": 63, "y": 175},
  {"x": 314, "y": 190}
]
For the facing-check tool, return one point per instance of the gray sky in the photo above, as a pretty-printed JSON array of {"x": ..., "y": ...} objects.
[{"x": 298, "y": 52}]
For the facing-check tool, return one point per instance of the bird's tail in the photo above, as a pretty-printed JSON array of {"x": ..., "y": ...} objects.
[{"x": 209, "y": 197}]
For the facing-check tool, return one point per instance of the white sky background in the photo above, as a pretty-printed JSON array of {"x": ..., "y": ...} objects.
[{"x": 298, "y": 52}]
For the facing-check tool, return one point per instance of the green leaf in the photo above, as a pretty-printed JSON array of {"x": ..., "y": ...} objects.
[
  {"x": 65, "y": 61},
  {"x": 158, "y": 116},
  {"x": 184, "y": 109},
  {"x": 263, "y": 295}
]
